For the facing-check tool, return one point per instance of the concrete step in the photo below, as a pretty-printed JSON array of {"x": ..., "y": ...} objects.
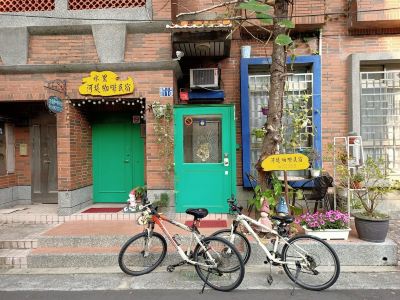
[
  {"x": 104, "y": 252},
  {"x": 88, "y": 257},
  {"x": 14, "y": 258},
  {"x": 19, "y": 244}
]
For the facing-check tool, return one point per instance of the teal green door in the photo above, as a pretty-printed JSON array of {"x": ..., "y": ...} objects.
[
  {"x": 205, "y": 158},
  {"x": 118, "y": 159}
]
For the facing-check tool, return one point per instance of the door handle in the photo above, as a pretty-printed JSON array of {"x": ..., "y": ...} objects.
[
  {"x": 226, "y": 160},
  {"x": 126, "y": 160},
  {"x": 46, "y": 161}
]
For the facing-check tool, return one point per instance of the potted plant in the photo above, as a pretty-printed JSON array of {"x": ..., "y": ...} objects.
[
  {"x": 139, "y": 192},
  {"x": 371, "y": 224},
  {"x": 313, "y": 157},
  {"x": 357, "y": 180},
  {"x": 330, "y": 225}
]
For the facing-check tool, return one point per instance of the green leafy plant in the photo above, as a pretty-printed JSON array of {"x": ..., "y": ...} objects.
[
  {"x": 377, "y": 184},
  {"x": 356, "y": 180},
  {"x": 163, "y": 201},
  {"x": 298, "y": 121},
  {"x": 140, "y": 191},
  {"x": 163, "y": 115},
  {"x": 272, "y": 195},
  {"x": 259, "y": 132}
]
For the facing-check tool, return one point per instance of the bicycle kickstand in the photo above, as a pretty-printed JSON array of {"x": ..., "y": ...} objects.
[
  {"x": 298, "y": 269},
  {"x": 204, "y": 285}
]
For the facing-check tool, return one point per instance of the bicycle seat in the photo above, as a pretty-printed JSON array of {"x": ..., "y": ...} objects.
[
  {"x": 287, "y": 219},
  {"x": 198, "y": 213}
]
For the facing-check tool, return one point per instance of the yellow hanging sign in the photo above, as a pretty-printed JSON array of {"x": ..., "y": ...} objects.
[
  {"x": 105, "y": 83},
  {"x": 285, "y": 162}
]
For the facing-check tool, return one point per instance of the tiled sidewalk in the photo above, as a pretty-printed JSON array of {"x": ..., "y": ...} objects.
[
  {"x": 47, "y": 214},
  {"x": 394, "y": 234}
]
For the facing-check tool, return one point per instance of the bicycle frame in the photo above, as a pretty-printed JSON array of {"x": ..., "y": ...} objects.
[
  {"x": 195, "y": 235},
  {"x": 245, "y": 220}
]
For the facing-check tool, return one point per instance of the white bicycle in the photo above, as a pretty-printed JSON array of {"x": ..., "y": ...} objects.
[{"x": 307, "y": 260}]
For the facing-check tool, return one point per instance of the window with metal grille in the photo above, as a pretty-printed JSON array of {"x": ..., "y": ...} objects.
[
  {"x": 103, "y": 4},
  {"x": 297, "y": 85},
  {"x": 380, "y": 113},
  {"x": 26, "y": 5}
]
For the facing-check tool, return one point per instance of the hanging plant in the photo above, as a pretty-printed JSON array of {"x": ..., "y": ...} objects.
[
  {"x": 298, "y": 114},
  {"x": 163, "y": 114}
]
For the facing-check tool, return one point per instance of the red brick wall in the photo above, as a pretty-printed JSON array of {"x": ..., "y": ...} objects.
[
  {"x": 375, "y": 6},
  {"x": 161, "y": 9},
  {"x": 8, "y": 180},
  {"x": 302, "y": 9},
  {"x": 74, "y": 149},
  {"x": 22, "y": 163},
  {"x": 337, "y": 46},
  {"x": 146, "y": 47},
  {"x": 57, "y": 49},
  {"x": 22, "y": 174}
]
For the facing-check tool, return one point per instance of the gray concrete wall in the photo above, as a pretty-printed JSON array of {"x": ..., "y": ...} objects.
[
  {"x": 15, "y": 195},
  {"x": 61, "y": 16},
  {"x": 110, "y": 42},
  {"x": 70, "y": 202},
  {"x": 14, "y": 43}
]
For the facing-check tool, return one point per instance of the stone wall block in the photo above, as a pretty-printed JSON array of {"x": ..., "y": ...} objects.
[
  {"x": 14, "y": 43},
  {"x": 110, "y": 42}
]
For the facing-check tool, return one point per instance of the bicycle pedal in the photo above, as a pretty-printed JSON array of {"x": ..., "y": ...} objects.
[
  {"x": 170, "y": 269},
  {"x": 270, "y": 280}
]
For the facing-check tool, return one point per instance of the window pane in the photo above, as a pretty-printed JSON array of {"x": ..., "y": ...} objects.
[
  {"x": 380, "y": 116},
  {"x": 202, "y": 138},
  {"x": 297, "y": 85}
]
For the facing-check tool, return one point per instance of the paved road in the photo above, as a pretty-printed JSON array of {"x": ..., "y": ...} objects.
[
  {"x": 184, "y": 279},
  {"x": 194, "y": 295}
]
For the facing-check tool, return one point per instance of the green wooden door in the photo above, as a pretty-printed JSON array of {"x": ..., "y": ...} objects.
[
  {"x": 118, "y": 159},
  {"x": 205, "y": 158}
]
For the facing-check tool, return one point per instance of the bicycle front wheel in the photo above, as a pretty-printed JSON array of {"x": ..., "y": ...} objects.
[
  {"x": 319, "y": 270},
  {"x": 142, "y": 254},
  {"x": 240, "y": 242},
  {"x": 226, "y": 267}
]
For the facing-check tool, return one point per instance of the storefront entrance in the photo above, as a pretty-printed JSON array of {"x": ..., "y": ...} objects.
[
  {"x": 205, "y": 157},
  {"x": 118, "y": 158}
]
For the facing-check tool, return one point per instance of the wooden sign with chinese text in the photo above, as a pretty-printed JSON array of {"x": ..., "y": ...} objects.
[
  {"x": 105, "y": 83},
  {"x": 285, "y": 162}
]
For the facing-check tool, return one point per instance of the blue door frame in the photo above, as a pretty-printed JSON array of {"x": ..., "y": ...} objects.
[{"x": 315, "y": 62}]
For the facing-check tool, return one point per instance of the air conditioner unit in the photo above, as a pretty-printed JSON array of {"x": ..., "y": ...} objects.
[{"x": 204, "y": 78}]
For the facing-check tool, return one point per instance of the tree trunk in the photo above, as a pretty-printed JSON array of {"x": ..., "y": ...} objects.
[{"x": 277, "y": 88}]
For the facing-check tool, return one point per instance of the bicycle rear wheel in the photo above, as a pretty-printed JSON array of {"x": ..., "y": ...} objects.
[
  {"x": 142, "y": 254},
  {"x": 241, "y": 243},
  {"x": 229, "y": 270},
  {"x": 319, "y": 270}
]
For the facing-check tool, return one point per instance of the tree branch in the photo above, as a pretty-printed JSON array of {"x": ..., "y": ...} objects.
[{"x": 207, "y": 9}]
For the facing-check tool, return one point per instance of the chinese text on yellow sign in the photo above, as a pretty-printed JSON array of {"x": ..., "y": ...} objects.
[
  {"x": 285, "y": 162},
  {"x": 105, "y": 83}
]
